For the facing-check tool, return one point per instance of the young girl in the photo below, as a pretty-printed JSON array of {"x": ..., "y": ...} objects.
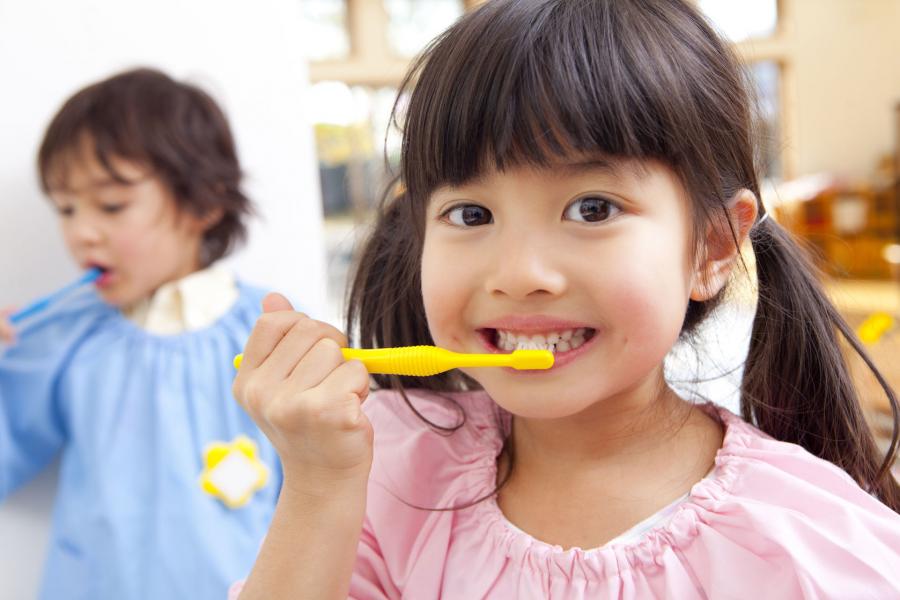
[
  {"x": 579, "y": 176},
  {"x": 166, "y": 486}
]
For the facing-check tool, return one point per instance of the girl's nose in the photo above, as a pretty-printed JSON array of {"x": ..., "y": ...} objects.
[
  {"x": 524, "y": 267},
  {"x": 82, "y": 230}
]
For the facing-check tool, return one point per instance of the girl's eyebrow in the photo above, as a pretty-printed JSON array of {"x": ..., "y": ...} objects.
[
  {"x": 567, "y": 169},
  {"x": 590, "y": 165},
  {"x": 577, "y": 167}
]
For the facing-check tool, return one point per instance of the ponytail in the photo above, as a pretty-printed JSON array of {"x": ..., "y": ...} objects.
[{"x": 796, "y": 385}]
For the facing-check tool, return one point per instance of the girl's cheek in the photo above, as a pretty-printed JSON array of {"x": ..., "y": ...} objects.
[
  {"x": 445, "y": 288},
  {"x": 69, "y": 240},
  {"x": 649, "y": 301},
  {"x": 438, "y": 305}
]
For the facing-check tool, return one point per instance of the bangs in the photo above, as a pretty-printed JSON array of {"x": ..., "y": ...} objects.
[
  {"x": 77, "y": 152},
  {"x": 537, "y": 83}
]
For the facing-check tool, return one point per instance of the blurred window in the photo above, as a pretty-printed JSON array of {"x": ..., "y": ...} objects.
[
  {"x": 742, "y": 23},
  {"x": 359, "y": 51},
  {"x": 350, "y": 125},
  {"x": 767, "y": 78},
  {"x": 414, "y": 23},
  {"x": 745, "y": 20},
  {"x": 327, "y": 30}
]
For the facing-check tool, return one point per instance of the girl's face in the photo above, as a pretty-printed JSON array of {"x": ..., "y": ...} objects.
[
  {"x": 134, "y": 232},
  {"x": 592, "y": 257}
]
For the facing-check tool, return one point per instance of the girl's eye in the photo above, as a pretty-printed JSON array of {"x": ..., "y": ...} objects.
[
  {"x": 591, "y": 209},
  {"x": 469, "y": 215},
  {"x": 65, "y": 211},
  {"x": 112, "y": 208}
]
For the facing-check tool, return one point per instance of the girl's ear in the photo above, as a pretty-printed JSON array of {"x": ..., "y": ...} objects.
[
  {"x": 209, "y": 219},
  {"x": 719, "y": 249}
]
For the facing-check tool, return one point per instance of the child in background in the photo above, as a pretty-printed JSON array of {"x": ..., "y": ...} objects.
[
  {"x": 166, "y": 486},
  {"x": 579, "y": 176}
]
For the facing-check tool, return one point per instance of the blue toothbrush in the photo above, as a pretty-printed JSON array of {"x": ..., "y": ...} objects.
[{"x": 42, "y": 303}]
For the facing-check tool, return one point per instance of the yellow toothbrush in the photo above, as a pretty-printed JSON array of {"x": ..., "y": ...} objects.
[{"x": 421, "y": 361}]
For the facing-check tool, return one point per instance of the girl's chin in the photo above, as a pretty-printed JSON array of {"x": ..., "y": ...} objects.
[
  {"x": 531, "y": 403},
  {"x": 116, "y": 298}
]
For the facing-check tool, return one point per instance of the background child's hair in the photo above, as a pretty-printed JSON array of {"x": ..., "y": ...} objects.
[
  {"x": 174, "y": 129},
  {"x": 533, "y": 82}
]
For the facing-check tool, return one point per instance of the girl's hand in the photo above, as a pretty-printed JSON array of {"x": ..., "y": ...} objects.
[
  {"x": 306, "y": 398},
  {"x": 7, "y": 330}
]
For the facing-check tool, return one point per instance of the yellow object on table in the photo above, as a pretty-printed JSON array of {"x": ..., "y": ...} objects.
[{"x": 875, "y": 326}]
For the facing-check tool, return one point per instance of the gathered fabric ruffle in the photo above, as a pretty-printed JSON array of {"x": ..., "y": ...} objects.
[{"x": 769, "y": 514}]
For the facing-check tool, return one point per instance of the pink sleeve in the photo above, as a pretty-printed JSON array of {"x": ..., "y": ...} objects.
[{"x": 371, "y": 579}]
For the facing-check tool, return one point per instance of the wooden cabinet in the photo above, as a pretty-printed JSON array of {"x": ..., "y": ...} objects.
[{"x": 849, "y": 229}]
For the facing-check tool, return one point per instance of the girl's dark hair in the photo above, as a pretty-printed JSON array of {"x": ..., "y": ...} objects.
[
  {"x": 528, "y": 82},
  {"x": 175, "y": 129}
]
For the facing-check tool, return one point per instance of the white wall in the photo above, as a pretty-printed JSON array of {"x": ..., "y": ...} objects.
[{"x": 248, "y": 55}]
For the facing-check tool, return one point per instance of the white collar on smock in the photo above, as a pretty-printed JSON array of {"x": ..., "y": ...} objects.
[{"x": 187, "y": 304}]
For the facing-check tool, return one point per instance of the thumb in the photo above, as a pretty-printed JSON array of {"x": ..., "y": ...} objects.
[{"x": 274, "y": 302}]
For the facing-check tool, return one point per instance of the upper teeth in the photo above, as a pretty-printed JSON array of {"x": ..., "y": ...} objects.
[{"x": 555, "y": 341}]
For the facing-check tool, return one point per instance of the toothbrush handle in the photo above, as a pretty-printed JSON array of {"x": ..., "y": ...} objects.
[
  {"x": 33, "y": 308},
  {"x": 42, "y": 303},
  {"x": 421, "y": 361},
  {"x": 418, "y": 361}
]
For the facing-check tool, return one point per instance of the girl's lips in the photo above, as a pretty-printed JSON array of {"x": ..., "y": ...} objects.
[
  {"x": 104, "y": 280},
  {"x": 560, "y": 359}
]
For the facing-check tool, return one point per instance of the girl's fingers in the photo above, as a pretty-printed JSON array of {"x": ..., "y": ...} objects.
[
  {"x": 7, "y": 332},
  {"x": 277, "y": 319},
  {"x": 349, "y": 377},
  {"x": 295, "y": 347},
  {"x": 270, "y": 328},
  {"x": 323, "y": 358},
  {"x": 275, "y": 302},
  {"x": 7, "y": 329},
  {"x": 340, "y": 396}
]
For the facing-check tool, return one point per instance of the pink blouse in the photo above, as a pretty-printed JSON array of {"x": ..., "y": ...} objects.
[{"x": 770, "y": 521}]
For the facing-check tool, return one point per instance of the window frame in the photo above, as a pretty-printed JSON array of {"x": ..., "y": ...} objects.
[{"x": 372, "y": 63}]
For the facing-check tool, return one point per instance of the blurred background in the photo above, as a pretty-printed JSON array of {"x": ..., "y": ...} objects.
[{"x": 309, "y": 85}]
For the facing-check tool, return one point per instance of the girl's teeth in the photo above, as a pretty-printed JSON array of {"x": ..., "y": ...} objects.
[{"x": 561, "y": 341}]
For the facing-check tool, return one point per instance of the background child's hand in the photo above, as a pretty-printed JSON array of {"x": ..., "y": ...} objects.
[
  {"x": 305, "y": 397},
  {"x": 7, "y": 331}
]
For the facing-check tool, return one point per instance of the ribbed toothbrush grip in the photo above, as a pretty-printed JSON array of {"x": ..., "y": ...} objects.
[{"x": 416, "y": 361}]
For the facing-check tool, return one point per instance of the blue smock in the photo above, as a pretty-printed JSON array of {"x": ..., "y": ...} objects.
[{"x": 131, "y": 413}]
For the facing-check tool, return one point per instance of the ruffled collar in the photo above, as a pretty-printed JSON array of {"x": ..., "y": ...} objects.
[{"x": 646, "y": 552}]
